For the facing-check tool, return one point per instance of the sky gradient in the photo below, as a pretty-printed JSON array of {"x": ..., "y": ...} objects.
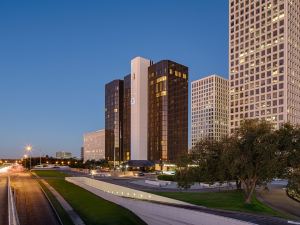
[{"x": 57, "y": 55}]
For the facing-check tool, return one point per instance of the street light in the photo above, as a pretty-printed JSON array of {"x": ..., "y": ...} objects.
[
  {"x": 25, "y": 157},
  {"x": 28, "y": 148}
]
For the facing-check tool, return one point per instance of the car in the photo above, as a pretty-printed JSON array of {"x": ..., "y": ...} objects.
[
  {"x": 139, "y": 174},
  {"x": 169, "y": 172}
]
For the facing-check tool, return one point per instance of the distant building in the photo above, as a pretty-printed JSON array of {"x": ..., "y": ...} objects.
[
  {"x": 209, "y": 108},
  {"x": 167, "y": 111},
  {"x": 63, "y": 155},
  {"x": 114, "y": 120},
  {"x": 81, "y": 153},
  {"x": 94, "y": 145}
]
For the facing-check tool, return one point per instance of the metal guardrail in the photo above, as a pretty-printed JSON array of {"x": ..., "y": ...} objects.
[{"x": 13, "y": 218}]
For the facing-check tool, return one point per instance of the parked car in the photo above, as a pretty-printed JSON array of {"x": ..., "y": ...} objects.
[
  {"x": 158, "y": 172},
  {"x": 169, "y": 172}
]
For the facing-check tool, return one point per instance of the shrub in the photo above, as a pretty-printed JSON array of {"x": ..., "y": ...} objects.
[{"x": 166, "y": 177}]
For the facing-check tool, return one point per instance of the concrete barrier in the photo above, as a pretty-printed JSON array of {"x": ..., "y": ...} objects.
[
  {"x": 122, "y": 191},
  {"x": 13, "y": 218},
  {"x": 158, "y": 182}
]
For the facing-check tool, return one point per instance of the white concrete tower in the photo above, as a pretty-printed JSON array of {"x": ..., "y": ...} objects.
[{"x": 139, "y": 108}]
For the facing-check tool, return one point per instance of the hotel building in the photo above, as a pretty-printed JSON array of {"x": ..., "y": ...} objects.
[
  {"x": 114, "y": 120},
  {"x": 264, "y": 61},
  {"x": 209, "y": 108},
  {"x": 94, "y": 145},
  {"x": 126, "y": 118},
  {"x": 167, "y": 111},
  {"x": 139, "y": 108}
]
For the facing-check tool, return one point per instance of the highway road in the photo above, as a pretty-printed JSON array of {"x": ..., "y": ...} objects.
[
  {"x": 32, "y": 206},
  {"x": 3, "y": 200}
]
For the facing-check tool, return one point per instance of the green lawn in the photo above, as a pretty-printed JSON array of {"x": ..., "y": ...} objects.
[
  {"x": 228, "y": 200},
  {"x": 50, "y": 173},
  {"x": 92, "y": 209}
]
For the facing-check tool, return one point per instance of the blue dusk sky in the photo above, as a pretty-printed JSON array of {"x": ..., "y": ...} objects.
[{"x": 57, "y": 55}]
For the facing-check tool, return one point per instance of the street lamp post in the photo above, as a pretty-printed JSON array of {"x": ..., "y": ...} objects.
[
  {"x": 25, "y": 157},
  {"x": 114, "y": 159},
  {"x": 29, "y": 149},
  {"x": 40, "y": 155}
]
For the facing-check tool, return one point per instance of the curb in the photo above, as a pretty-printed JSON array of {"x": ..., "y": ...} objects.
[{"x": 52, "y": 206}]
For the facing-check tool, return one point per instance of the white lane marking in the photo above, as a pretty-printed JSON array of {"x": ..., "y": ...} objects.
[{"x": 293, "y": 222}]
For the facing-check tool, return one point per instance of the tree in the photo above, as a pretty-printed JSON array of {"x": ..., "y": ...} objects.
[
  {"x": 183, "y": 175},
  {"x": 206, "y": 163},
  {"x": 250, "y": 156},
  {"x": 254, "y": 155},
  {"x": 294, "y": 184},
  {"x": 289, "y": 145}
]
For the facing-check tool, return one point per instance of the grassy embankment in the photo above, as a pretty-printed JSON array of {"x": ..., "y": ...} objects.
[
  {"x": 225, "y": 200},
  {"x": 92, "y": 209}
]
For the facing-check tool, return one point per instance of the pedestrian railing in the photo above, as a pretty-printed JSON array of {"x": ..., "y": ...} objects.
[{"x": 13, "y": 218}]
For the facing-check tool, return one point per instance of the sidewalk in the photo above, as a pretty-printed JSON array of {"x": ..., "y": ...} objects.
[{"x": 277, "y": 198}]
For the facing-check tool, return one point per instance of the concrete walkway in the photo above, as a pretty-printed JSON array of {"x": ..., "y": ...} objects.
[
  {"x": 158, "y": 214},
  {"x": 67, "y": 207},
  {"x": 277, "y": 198}
]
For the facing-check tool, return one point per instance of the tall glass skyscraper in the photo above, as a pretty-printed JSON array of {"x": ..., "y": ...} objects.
[
  {"x": 114, "y": 120},
  {"x": 167, "y": 111},
  {"x": 127, "y": 118}
]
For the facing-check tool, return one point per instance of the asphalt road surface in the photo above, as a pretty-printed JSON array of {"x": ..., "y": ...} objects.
[
  {"x": 32, "y": 206},
  {"x": 3, "y": 200}
]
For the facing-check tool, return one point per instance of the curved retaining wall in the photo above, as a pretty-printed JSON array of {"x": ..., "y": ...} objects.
[{"x": 123, "y": 191}]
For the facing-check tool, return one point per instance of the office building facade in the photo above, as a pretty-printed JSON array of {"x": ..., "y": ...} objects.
[
  {"x": 127, "y": 118},
  {"x": 264, "y": 65},
  {"x": 167, "y": 111},
  {"x": 63, "y": 155},
  {"x": 94, "y": 145},
  {"x": 209, "y": 108},
  {"x": 114, "y": 121}
]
